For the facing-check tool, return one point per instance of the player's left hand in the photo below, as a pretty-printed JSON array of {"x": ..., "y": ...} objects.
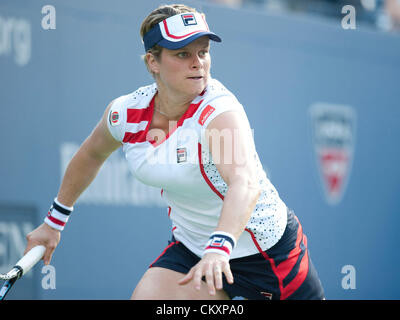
[{"x": 212, "y": 265}]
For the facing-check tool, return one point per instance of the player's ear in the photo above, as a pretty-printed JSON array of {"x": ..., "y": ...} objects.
[{"x": 152, "y": 63}]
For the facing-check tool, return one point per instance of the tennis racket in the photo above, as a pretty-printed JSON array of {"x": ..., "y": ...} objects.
[{"x": 21, "y": 267}]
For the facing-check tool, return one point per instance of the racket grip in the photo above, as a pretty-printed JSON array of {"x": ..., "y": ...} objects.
[{"x": 30, "y": 258}]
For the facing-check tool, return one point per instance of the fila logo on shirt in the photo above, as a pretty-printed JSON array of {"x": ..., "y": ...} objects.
[
  {"x": 181, "y": 155},
  {"x": 267, "y": 295},
  {"x": 189, "y": 19}
]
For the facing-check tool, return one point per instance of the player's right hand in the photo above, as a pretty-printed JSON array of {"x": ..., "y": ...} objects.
[{"x": 46, "y": 236}]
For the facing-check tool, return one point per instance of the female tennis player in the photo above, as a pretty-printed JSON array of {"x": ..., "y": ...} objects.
[{"x": 187, "y": 134}]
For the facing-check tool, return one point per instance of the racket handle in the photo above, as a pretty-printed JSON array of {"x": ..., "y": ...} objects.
[{"x": 30, "y": 259}]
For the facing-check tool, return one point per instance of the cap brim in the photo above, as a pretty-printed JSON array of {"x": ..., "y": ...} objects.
[{"x": 172, "y": 45}]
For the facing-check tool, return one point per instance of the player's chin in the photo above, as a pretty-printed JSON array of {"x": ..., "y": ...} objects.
[{"x": 196, "y": 87}]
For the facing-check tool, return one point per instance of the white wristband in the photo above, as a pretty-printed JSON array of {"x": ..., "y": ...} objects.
[
  {"x": 220, "y": 242},
  {"x": 58, "y": 215}
]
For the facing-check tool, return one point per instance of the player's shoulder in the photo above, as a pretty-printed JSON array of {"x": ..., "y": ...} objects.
[
  {"x": 217, "y": 95},
  {"x": 129, "y": 108},
  {"x": 216, "y": 89},
  {"x": 139, "y": 98},
  {"x": 216, "y": 100}
]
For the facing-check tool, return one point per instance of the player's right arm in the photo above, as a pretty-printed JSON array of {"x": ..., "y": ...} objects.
[
  {"x": 86, "y": 163},
  {"x": 80, "y": 172}
]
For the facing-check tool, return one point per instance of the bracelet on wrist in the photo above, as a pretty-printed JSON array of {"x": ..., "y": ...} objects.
[
  {"x": 220, "y": 242},
  {"x": 58, "y": 215}
]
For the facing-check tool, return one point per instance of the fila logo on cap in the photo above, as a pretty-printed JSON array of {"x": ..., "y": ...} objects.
[
  {"x": 178, "y": 31},
  {"x": 189, "y": 19}
]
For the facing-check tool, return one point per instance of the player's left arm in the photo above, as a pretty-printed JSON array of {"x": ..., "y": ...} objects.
[{"x": 231, "y": 144}]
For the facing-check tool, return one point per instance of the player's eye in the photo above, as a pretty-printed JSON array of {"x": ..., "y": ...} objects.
[
  {"x": 203, "y": 53},
  {"x": 182, "y": 54}
]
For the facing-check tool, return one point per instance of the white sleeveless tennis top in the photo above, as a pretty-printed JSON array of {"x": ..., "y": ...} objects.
[{"x": 181, "y": 165}]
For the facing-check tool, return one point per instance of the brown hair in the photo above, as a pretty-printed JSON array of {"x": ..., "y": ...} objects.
[{"x": 161, "y": 13}]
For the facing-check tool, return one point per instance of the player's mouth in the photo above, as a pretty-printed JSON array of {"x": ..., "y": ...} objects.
[{"x": 196, "y": 78}]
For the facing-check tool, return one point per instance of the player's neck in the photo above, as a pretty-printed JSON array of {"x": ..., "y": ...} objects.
[{"x": 171, "y": 106}]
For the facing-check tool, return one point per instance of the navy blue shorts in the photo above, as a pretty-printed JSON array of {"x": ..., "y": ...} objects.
[{"x": 284, "y": 271}]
